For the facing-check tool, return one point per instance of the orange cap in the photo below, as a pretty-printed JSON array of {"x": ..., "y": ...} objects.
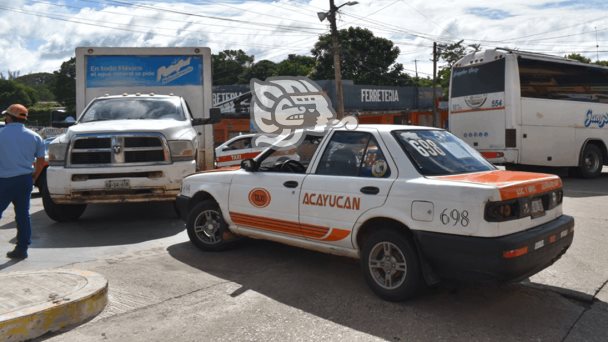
[{"x": 16, "y": 110}]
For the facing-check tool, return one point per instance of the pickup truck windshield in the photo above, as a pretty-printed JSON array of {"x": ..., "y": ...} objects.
[
  {"x": 440, "y": 153},
  {"x": 134, "y": 109}
]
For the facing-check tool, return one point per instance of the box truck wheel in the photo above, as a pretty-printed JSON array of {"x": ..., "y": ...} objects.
[{"x": 58, "y": 212}]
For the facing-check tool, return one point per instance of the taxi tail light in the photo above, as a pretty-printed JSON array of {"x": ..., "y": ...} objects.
[
  {"x": 502, "y": 211},
  {"x": 514, "y": 253},
  {"x": 522, "y": 207}
]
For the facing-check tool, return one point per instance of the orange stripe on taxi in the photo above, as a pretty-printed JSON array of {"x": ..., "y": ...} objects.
[
  {"x": 289, "y": 227},
  {"x": 510, "y": 184}
]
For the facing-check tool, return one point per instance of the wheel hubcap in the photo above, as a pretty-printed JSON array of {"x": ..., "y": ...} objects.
[
  {"x": 207, "y": 227},
  {"x": 591, "y": 162},
  {"x": 387, "y": 265}
]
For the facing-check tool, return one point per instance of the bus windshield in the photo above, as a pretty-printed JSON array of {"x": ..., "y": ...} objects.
[
  {"x": 479, "y": 79},
  {"x": 437, "y": 153}
]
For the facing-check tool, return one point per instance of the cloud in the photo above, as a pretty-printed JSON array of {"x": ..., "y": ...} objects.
[
  {"x": 489, "y": 13},
  {"x": 40, "y": 35}
]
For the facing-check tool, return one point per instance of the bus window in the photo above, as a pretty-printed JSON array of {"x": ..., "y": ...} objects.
[
  {"x": 479, "y": 79},
  {"x": 561, "y": 81}
]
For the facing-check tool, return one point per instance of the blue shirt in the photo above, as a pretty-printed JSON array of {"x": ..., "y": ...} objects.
[{"x": 19, "y": 147}]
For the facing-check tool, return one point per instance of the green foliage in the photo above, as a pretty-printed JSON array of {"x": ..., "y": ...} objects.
[
  {"x": 296, "y": 65},
  {"x": 450, "y": 54},
  {"x": 229, "y": 66},
  {"x": 64, "y": 85},
  {"x": 14, "y": 92},
  {"x": 41, "y": 82},
  {"x": 260, "y": 70},
  {"x": 364, "y": 58},
  {"x": 578, "y": 57}
]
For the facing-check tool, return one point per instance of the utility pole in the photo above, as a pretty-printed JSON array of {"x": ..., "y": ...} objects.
[
  {"x": 435, "y": 114},
  {"x": 337, "y": 67},
  {"x": 331, "y": 16}
]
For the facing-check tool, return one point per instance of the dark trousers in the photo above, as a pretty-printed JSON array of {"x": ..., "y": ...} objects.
[{"x": 18, "y": 190}]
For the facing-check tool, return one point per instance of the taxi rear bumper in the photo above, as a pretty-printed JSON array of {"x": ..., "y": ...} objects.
[{"x": 481, "y": 259}]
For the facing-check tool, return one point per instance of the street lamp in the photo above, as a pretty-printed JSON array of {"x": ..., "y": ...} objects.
[{"x": 331, "y": 16}]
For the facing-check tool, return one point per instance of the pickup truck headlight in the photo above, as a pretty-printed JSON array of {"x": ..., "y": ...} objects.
[
  {"x": 56, "y": 154},
  {"x": 181, "y": 150}
]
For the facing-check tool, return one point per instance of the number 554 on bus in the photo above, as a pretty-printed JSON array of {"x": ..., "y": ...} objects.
[{"x": 533, "y": 109}]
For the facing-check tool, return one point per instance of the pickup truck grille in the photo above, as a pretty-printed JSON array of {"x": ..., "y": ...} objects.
[{"x": 118, "y": 149}]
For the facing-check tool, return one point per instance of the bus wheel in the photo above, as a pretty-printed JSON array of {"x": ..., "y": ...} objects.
[{"x": 591, "y": 162}]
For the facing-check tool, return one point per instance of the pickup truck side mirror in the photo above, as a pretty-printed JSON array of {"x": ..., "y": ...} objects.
[
  {"x": 249, "y": 165},
  {"x": 215, "y": 116}
]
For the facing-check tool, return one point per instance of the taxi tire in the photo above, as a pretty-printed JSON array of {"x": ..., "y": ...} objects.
[
  {"x": 193, "y": 215},
  {"x": 58, "y": 212},
  {"x": 413, "y": 276}
]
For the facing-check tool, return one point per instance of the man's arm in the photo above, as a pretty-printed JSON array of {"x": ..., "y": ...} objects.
[{"x": 38, "y": 167}]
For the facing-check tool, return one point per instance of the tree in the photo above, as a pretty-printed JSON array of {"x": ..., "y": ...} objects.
[
  {"x": 450, "y": 54},
  {"x": 578, "y": 57},
  {"x": 14, "y": 92},
  {"x": 296, "y": 65},
  {"x": 229, "y": 66},
  {"x": 260, "y": 70},
  {"x": 64, "y": 85},
  {"x": 41, "y": 82},
  {"x": 365, "y": 59}
]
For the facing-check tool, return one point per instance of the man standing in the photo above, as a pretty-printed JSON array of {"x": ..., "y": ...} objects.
[{"x": 19, "y": 147}]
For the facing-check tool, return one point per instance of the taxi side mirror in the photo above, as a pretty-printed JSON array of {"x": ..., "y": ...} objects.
[{"x": 248, "y": 165}]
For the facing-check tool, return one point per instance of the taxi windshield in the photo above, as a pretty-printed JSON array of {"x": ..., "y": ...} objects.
[{"x": 437, "y": 152}]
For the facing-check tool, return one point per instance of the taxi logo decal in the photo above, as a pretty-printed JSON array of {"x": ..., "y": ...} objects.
[
  {"x": 259, "y": 198},
  {"x": 334, "y": 201},
  {"x": 290, "y": 228}
]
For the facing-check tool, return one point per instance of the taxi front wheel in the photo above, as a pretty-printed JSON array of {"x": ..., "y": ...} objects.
[
  {"x": 206, "y": 227},
  {"x": 390, "y": 265}
]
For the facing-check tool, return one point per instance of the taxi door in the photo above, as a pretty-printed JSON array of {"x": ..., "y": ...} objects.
[
  {"x": 353, "y": 175},
  {"x": 265, "y": 202}
]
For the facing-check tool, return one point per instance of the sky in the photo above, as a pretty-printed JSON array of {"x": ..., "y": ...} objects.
[{"x": 38, "y": 35}]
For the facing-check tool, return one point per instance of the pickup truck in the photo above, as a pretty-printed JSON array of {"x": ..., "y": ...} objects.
[
  {"x": 414, "y": 204},
  {"x": 123, "y": 148}
]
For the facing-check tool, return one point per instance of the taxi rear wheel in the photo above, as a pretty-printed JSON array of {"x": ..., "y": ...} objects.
[
  {"x": 390, "y": 265},
  {"x": 206, "y": 227}
]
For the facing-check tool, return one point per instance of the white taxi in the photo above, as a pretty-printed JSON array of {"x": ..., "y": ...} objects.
[
  {"x": 235, "y": 150},
  {"x": 414, "y": 204}
]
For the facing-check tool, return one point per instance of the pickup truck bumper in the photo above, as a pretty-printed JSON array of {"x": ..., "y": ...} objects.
[
  {"x": 117, "y": 184},
  {"x": 481, "y": 259}
]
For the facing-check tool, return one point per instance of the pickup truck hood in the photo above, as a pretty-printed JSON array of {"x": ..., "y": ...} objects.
[
  {"x": 511, "y": 184},
  {"x": 171, "y": 129}
]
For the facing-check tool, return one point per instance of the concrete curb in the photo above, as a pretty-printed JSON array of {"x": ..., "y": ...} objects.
[{"x": 85, "y": 296}]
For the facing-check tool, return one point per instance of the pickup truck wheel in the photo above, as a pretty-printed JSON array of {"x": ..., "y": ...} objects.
[
  {"x": 390, "y": 265},
  {"x": 206, "y": 227},
  {"x": 58, "y": 212},
  {"x": 591, "y": 162}
]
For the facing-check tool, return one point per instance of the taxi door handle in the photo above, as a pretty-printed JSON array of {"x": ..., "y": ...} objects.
[
  {"x": 291, "y": 184},
  {"x": 370, "y": 190}
]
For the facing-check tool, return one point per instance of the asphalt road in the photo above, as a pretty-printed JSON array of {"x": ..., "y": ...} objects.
[{"x": 162, "y": 288}]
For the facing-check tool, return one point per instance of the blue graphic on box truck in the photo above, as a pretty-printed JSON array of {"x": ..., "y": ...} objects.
[{"x": 146, "y": 71}]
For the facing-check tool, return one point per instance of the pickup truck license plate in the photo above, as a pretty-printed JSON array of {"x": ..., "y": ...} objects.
[
  {"x": 117, "y": 184},
  {"x": 537, "y": 207}
]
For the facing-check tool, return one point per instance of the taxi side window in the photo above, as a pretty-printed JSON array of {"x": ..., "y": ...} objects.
[
  {"x": 239, "y": 144},
  {"x": 354, "y": 154}
]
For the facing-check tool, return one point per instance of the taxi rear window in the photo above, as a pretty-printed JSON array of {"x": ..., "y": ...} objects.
[{"x": 438, "y": 152}]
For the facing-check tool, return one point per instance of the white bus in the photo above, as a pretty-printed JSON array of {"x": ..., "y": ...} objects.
[{"x": 524, "y": 108}]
